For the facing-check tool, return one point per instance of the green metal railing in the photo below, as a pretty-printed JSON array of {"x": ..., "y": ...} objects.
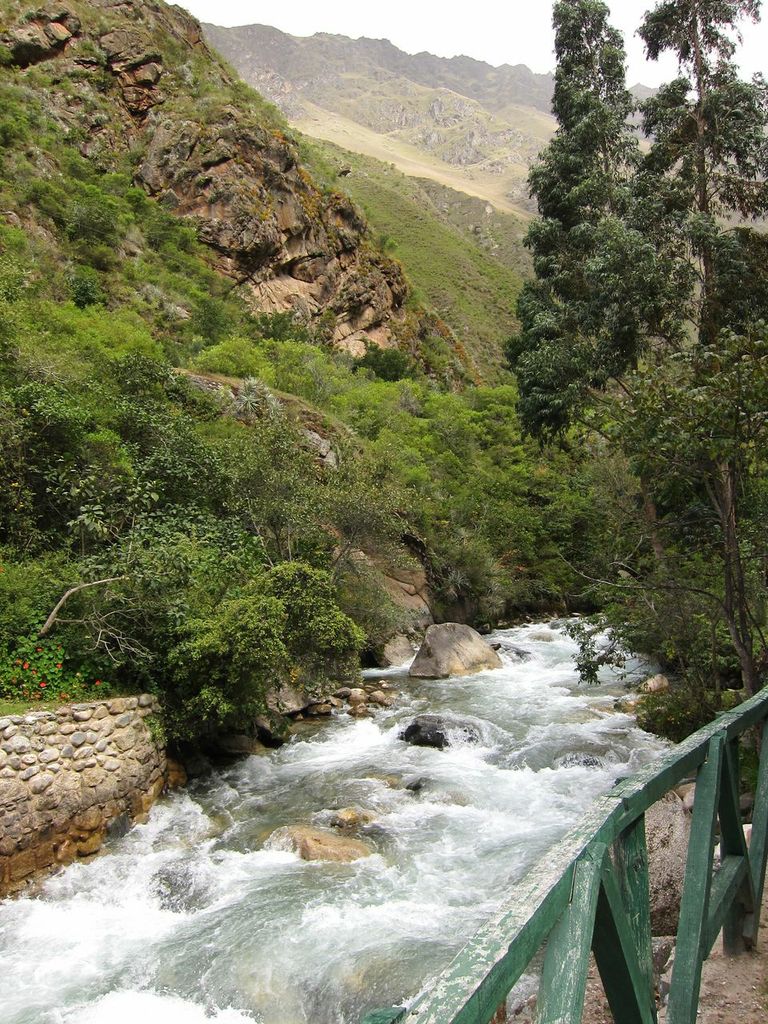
[{"x": 591, "y": 893}]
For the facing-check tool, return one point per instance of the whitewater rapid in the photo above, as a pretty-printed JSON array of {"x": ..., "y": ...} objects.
[{"x": 189, "y": 919}]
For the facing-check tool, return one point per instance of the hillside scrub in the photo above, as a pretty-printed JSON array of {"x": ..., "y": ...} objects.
[{"x": 166, "y": 523}]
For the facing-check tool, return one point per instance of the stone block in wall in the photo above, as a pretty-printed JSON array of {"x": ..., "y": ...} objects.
[{"x": 65, "y": 775}]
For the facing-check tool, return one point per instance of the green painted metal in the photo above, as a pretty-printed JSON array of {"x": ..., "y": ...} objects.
[
  {"x": 694, "y": 907},
  {"x": 631, "y": 855},
  {"x": 733, "y": 845},
  {"x": 570, "y": 904},
  {"x": 758, "y": 849}
]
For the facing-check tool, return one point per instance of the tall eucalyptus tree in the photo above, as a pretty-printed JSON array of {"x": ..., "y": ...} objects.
[
  {"x": 583, "y": 316},
  {"x": 649, "y": 308}
]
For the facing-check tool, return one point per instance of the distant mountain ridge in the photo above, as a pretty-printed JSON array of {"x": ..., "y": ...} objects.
[
  {"x": 456, "y": 120},
  {"x": 262, "y": 46}
]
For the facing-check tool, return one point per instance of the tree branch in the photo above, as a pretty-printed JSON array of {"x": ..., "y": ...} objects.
[{"x": 51, "y": 620}]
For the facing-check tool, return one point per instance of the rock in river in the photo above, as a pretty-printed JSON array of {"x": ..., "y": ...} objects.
[
  {"x": 453, "y": 649},
  {"x": 314, "y": 844},
  {"x": 436, "y": 731}
]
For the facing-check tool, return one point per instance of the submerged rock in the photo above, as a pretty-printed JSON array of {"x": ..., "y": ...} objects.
[
  {"x": 578, "y": 760},
  {"x": 452, "y": 649},
  {"x": 511, "y": 650},
  {"x": 315, "y": 844},
  {"x": 351, "y": 817},
  {"x": 436, "y": 731}
]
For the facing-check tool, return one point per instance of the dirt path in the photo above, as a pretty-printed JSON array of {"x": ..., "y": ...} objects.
[{"x": 734, "y": 990}]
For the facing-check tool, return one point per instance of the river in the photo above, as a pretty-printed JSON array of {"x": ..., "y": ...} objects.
[{"x": 192, "y": 919}]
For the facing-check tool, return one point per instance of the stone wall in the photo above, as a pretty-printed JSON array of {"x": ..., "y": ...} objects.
[{"x": 70, "y": 777}]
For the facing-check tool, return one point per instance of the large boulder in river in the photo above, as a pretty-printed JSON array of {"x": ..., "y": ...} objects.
[
  {"x": 667, "y": 828},
  {"x": 452, "y": 649},
  {"x": 314, "y": 844},
  {"x": 437, "y": 731}
]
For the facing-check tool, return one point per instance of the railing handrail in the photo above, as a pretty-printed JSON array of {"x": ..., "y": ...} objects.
[{"x": 544, "y": 903}]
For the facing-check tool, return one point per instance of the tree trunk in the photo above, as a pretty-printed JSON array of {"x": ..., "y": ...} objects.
[{"x": 735, "y": 598}]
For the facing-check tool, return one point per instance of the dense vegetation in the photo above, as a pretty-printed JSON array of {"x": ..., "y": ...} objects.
[
  {"x": 166, "y": 521},
  {"x": 646, "y": 328},
  {"x": 157, "y": 536}
]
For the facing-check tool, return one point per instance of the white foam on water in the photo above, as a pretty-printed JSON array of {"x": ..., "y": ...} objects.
[
  {"x": 130, "y": 1007},
  {"x": 195, "y": 916}
]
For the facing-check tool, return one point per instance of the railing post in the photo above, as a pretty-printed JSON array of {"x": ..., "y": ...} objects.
[
  {"x": 632, "y": 868},
  {"x": 758, "y": 846},
  {"x": 732, "y": 844},
  {"x": 694, "y": 907},
  {"x": 564, "y": 975}
]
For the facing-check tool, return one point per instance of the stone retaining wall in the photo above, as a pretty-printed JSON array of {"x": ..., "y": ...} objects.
[{"x": 71, "y": 776}]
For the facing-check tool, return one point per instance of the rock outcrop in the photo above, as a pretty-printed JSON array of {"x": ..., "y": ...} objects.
[
  {"x": 667, "y": 830},
  {"x": 41, "y": 35},
  {"x": 396, "y": 651},
  {"x": 655, "y": 684},
  {"x": 409, "y": 590},
  {"x": 141, "y": 85},
  {"x": 453, "y": 649}
]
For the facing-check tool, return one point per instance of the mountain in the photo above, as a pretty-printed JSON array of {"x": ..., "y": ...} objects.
[
  {"x": 143, "y": 94},
  {"x": 201, "y": 454},
  {"x": 459, "y": 121}
]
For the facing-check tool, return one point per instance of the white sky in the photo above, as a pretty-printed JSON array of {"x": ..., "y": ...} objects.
[{"x": 497, "y": 31}]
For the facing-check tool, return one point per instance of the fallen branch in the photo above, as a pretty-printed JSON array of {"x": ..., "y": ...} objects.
[{"x": 50, "y": 621}]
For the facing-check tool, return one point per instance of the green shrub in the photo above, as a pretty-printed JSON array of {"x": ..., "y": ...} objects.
[
  {"x": 224, "y": 668},
  {"x": 94, "y": 218},
  {"x": 677, "y": 713},
  {"x": 234, "y": 357},
  {"x": 386, "y": 363},
  {"x": 85, "y": 286}
]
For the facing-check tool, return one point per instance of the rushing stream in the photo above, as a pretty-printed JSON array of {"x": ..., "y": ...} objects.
[{"x": 190, "y": 919}]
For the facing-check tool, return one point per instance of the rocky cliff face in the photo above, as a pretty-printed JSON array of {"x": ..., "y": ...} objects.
[{"x": 137, "y": 84}]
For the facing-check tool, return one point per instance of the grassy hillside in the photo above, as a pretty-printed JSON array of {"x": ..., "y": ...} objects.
[{"x": 464, "y": 258}]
